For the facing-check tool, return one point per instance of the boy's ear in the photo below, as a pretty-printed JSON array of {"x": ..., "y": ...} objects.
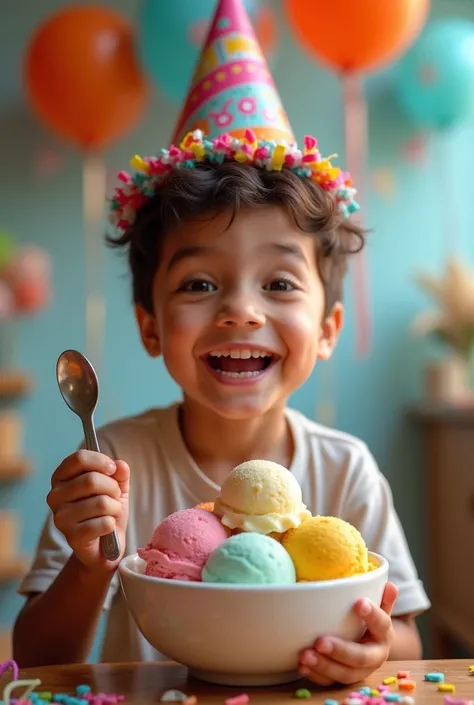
[
  {"x": 330, "y": 331},
  {"x": 148, "y": 331}
]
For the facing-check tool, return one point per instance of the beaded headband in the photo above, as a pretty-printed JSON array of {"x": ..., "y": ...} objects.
[{"x": 151, "y": 172}]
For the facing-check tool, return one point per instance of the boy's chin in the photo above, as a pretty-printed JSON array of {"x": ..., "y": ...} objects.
[{"x": 241, "y": 409}]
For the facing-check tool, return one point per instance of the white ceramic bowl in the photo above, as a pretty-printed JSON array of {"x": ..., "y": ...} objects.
[{"x": 244, "y": 635}]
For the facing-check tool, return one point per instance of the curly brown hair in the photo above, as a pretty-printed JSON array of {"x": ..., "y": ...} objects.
[{"x": 213, "y": 188}]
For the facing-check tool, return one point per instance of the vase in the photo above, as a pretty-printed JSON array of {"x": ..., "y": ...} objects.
[{"x": 447, "y": 380}]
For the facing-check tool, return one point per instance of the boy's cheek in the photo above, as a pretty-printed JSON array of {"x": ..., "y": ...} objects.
[
  {"x": 301, "y": 334},
  {"x": 182, "y": 325}
]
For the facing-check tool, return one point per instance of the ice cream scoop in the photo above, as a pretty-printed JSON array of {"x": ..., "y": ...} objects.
[
  {"x": 250, "y": 559},
  {"x": 182, "y": 543},
  {"x": 326, "y": 548},
  {"x": 261, "y": 496}
]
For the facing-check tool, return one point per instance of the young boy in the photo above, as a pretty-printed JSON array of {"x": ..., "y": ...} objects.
[{"x": 237, "y": 251}]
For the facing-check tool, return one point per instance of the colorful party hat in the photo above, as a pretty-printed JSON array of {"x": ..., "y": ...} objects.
[
  {"x": 232, "y": 113},
  {"x": 232, "y": 89}
]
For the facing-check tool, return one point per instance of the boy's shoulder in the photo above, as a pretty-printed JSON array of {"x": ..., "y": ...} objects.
[
  {"x": 333, "y": 465},
  {"x": 324, "y": 436}
]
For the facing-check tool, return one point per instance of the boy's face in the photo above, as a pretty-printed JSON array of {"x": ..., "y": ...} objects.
[{"x": 238, "y": 311}]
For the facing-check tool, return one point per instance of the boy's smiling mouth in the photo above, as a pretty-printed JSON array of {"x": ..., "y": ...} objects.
[{"x": 240, "y": 364}]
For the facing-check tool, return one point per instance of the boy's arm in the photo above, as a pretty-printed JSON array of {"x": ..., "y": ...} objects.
[
  {"x": 59, "y": 625},
  {"x": 406, "y": 641},
  {"x": 368, "y": 504}
]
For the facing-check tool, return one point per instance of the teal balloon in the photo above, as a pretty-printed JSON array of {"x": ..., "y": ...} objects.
[
  {"x": 170, "y": 37},
  {"x": 434, "y": 80}
]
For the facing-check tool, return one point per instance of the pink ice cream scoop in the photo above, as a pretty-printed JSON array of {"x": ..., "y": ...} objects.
[{"x": 182, "y": 543}]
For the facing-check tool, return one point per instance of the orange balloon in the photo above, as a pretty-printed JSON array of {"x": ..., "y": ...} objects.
[
  {"x": 355, "y": 35},
  {"x": 82, "y": 78}
]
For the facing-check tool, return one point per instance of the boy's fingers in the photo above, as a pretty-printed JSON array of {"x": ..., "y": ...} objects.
[
  {"x": 315, "y": 677},
  {"x": 91, "y": 530},
  {"x": 389, "y": 597},
  {"x": 92, "y": 508},
  {"x": 332, "y": 672},
  {"x": 349, "y": 653},
  {"x": 81, "y": 461},
  {"x": 89, "y": 484},
  {"x": 122, "y": 476},
  {"x": 377, "y": 620}
]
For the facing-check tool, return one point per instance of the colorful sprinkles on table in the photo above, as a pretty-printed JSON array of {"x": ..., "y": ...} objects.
[
  {"x": 241, "y": 699},
  {"x": 366, "y": 695},
  {"x": 83, "y": 694},
  {"x": 384, "y": 694},
  {"x": 195, "y": 149},
  {"x": 303, "y": 693}
]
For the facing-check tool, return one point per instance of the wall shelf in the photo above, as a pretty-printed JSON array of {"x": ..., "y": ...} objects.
[
  {"x": 13, "y": 568},
  {"x": 14, "y": 383},
  {"x": 16, "y": 468}
]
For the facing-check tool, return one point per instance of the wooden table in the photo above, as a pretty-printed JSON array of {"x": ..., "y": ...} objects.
[{"x": 146, "y": 682}]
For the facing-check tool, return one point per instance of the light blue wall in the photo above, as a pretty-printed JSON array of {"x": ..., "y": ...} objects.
[{"x": 371, "y": 395}]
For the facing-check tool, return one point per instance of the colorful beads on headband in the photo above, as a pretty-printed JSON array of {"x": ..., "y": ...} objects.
[{"x": 195, "y": 149}]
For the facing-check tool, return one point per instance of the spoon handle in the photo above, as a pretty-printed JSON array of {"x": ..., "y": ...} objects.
[
  {"x": 90, "y": 435},
  {"x": 109, "y": 544}
]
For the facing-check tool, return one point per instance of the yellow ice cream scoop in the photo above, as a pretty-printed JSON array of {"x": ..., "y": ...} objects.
[
  {"x": 326, "y": 548},
  {"x": 261, "y": 496}
]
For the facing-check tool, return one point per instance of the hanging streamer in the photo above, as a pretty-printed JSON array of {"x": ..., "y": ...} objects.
[
  {"x": 355, "y": 118},
  {"x": 94, "y": 195}
]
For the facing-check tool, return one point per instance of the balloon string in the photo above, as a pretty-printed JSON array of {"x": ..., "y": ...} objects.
[
  {"x": 355, "y": 118},
  {"x": 94, "y": 190}
]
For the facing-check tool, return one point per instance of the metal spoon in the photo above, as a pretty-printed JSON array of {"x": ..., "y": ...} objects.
[{"x": 79, "y": 388}]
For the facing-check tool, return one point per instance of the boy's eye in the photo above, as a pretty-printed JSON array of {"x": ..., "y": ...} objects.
[
  {"x": 198, "y": 286},
  {"x": 280, "y": 285}
]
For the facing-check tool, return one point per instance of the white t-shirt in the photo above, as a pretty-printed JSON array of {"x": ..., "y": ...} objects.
[{"x": 336, "y": 471}]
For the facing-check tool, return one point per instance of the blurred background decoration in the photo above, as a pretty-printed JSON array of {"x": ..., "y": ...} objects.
[
  {"x": 451, "y": 324},
  {"x": 386, "y": 85},
  {"x": 81, "y": 75},
  {"x": 179, "y": 29},
  {"x": 25, "y": 279},
  {"x": 434, "y": 80},
  {"x": 356, "y": 38},
  {"x": 83, "y": 81}
]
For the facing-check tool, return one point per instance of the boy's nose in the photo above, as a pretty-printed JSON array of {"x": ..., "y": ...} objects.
[{"x": 240, "y": 313}]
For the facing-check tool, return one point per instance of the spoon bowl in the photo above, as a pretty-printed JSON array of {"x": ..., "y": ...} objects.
[{"x": 77, "y": 382}]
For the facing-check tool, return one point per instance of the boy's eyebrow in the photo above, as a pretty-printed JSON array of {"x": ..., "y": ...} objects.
[
  {"x": 293, "y": 250},
  {"x": 185, "y": 252},
  {"x": 195, "y": 250}
]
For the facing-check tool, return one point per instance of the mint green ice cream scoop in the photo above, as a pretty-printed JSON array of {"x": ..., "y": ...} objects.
[{"x": 250, "y": 559}]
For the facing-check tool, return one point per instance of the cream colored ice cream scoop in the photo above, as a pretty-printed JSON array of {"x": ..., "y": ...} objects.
[{"x": 261, "y": 496}]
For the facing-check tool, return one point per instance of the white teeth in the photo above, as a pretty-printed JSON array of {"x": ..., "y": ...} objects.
[
  {"x": 239, "y": 375},
  {"x": 240, "y": 354}
]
